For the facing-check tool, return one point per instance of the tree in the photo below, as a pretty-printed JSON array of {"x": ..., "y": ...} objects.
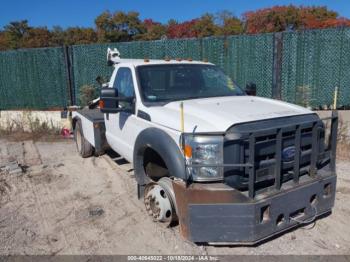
[
  {"x": 36, "y": 37},
  {"x": 104, "y": 27},
  {"x": 281, "y": 18},
  {"x": 228, "y": 23},
  {"x": 171, "y": 22},
  {"x": 3, "y": 42},
  {"x": 57, "y": 36},
  {"x": 14, "y": 32},
  {"x": 154, "y": 30},
  {"x": 118, "y": 27},
  {"x": 224, "y": 23},
  {"x": 78, "y": 36},
  {"x": 336, "y": 22},
  {"x": 205, "y": 26},
  {"x": 320, "y": 17},
  {"x": 182, "y": 30},
  {"x": 232, "y": 26},
  {"x": 127, "y": 26}
]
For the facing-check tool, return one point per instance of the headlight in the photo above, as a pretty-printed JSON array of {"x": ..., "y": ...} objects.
[{"x": 204, "y": 150}]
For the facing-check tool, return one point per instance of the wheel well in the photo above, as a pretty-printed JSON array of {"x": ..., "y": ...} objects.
[
  {"x": 154, "y": 165},
  {"x": 74, "y": 122}
]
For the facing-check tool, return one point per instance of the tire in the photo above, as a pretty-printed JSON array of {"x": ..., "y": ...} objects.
[
  {"x": 84, "y": 148},
  {"x": 160, "y": 203}
]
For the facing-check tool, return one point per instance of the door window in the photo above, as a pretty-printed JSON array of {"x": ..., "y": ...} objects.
[{"x": 124, "y": 84}]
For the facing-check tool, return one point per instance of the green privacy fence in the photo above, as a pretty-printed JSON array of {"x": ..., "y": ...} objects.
[
  {"x": 89, "y": 61},
  {"x": 250, "y": 59},
  {"x": 245, "y": 58},
  {"x": 299, "y": 67},
  {"x": 314, "y": 63},
  {"x": 33, "y": 78}
]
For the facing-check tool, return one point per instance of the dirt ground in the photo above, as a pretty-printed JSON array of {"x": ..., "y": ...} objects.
[{"x": 64, "y": 204}]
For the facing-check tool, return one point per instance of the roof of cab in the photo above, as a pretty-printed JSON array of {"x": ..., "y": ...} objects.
[
  {"x": 141, "y": 62},
  {"x": 113, "y": 57}
]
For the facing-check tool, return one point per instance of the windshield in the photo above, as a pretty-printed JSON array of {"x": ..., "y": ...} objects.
[{"x": 163, "y": 83}]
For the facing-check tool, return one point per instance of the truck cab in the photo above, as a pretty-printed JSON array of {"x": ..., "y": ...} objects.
[{"x": 227, "y": 166}]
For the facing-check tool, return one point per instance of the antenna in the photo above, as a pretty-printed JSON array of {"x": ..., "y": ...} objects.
[{"x": 182, "y": 118}]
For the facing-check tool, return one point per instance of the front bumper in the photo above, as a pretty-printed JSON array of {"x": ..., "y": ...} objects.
[{"x": 218, "y": 214}]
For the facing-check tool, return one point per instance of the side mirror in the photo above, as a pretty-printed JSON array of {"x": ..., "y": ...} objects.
[
  {"x": 109, "y": 100},
  {"x": 250, "y": 89}
]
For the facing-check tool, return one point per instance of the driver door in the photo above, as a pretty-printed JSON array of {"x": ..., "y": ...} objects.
[{"x": 120, "y": 127}]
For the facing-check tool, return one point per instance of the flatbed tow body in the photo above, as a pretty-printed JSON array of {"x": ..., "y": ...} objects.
[{"x": 94, "y": 129}]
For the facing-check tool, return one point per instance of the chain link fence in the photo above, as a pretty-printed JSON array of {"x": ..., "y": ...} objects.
[{"x": 310, "y": 66}]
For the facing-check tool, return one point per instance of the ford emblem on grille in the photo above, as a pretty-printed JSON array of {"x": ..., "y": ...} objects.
[{"x": 288, "y": 154}]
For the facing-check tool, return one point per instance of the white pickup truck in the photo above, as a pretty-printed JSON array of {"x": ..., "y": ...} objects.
[{"x": 228, "y": 166}]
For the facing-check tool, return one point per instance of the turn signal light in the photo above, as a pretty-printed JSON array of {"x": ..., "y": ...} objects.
[
  {"x": 188, "y": 151},
  {"x": 101, "y": 104}
]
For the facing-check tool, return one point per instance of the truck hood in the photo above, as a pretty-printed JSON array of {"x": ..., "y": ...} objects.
[{"x": 218, "y": 114}]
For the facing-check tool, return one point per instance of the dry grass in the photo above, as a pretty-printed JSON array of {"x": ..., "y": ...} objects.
[
  {"x": 343, "y": 146},
  {"x": 87, "y": 93},
  {"x": 35, "y": 136},
  {"x": 14, "y": 130},
  {"x": 343, "y": 151},
  {"x": 343, "y": 138}
]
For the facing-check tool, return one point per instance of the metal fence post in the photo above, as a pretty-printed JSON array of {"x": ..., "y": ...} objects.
[
  {"x": 69, "y": 71},
  {"x": 277, "y": 65},
  {"x": 333, "y": 140}
]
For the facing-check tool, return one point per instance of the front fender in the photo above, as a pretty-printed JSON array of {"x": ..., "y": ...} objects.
[{"x": 165, "y": 146}]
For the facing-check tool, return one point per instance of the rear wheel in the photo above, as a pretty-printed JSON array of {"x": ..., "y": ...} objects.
[{"x": 84, "y": 148}]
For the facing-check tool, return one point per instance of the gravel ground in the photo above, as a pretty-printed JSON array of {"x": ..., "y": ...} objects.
[{"x": 64, "y": 204}]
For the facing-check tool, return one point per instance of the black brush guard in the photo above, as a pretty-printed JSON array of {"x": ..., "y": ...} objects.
[
  {"x": 218, "y": 213},
  {"x": 328, "y": 155}
]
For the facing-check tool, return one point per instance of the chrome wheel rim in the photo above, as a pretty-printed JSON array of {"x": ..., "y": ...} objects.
[{"x": 158, "y": 204}]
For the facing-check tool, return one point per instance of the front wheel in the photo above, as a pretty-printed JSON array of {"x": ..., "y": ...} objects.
[
  {"x": 84, "y": 148},
  {"x": 159, "y": 200}
]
